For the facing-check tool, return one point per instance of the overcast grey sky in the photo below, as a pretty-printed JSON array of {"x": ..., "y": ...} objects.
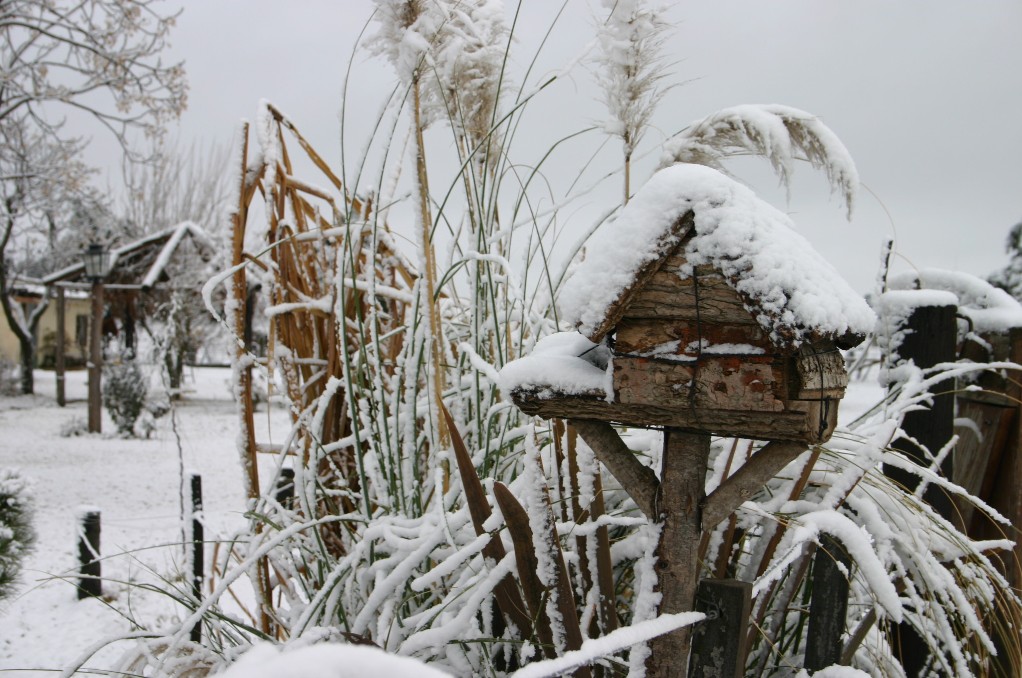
[{"x": 925, "y": 95}]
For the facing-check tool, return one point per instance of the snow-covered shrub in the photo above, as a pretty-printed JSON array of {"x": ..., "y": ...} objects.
[
  {"x": 8, "y": 377},
  {"x": 156, "y": 406},
  {"x": 16, "y": 533},
  {"x": 125, "y": 387},
  {"x": 73, "y": 427}
]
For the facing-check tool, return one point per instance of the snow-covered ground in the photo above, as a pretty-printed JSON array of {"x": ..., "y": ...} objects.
[{"x": 135, "y": 484}]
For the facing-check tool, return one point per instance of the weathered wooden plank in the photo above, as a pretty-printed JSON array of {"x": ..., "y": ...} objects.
[
  {"x": 668, "y": 295},
  {"x": 673, "y": 337},
  {"x": 820, "y": 412},
  {"x": 746, "y": 383},
  {"x": 800, "y": 423},
  {"x": 719, "y": 644},
  {"x": 1006, "y": 494},
  {"x": 929, "y": 339},
  {"x": 977, "y": 458},
  {"x": 819, "y": 372}
]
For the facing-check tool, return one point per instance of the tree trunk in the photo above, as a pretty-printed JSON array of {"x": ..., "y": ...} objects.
[
  {"x": 26, "y": 338},
  {"x": 23, "y": 328},
  {"x": 27, "y": 364}
]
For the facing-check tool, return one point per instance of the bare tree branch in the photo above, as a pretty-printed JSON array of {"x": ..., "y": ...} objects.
[{"x": 57, "y": 58}]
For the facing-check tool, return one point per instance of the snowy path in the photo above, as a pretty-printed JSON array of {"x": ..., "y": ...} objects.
[{"x": 135, "y": 485}]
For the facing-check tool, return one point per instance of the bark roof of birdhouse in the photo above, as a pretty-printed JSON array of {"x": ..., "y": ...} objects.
[{"x": 793, "y": 293}]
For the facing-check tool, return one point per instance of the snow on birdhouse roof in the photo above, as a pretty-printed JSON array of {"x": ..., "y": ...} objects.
[
  {"x": 988, "y": 308},
  {"x": 793, "y": 293}
]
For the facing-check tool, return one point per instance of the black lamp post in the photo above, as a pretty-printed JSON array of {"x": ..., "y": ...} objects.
[{"x": 97, "y": 263}]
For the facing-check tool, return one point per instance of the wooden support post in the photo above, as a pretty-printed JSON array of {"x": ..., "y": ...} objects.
[
  {"x": 719, "y": 644},
  {"x": 682, "y": 491},
  {"x": 61, "y": 333},
  {"x": 829, "y": 606},
  {"x": 930, "y": 338},
  {"x": 90, "y": 584},
  {"x": 96, "y": 360},
  {"x": 198, "y": 548},
  {"x": 749, "y": 479},
  {"x": 638, "y": 480}
]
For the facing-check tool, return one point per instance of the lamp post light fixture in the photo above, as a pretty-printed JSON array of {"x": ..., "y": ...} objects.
[{"x": 97, "y": 263}]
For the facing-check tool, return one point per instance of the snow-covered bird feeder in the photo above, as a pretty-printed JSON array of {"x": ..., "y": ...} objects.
[{"x": 701, "y": 309}]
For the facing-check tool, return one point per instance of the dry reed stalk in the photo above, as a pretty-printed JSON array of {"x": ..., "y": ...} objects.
[
  {"x": 762, "y": 605},
  {"x": 302, "y": 265},
  {"x": 603, "y": 567},
  {"x": 248, "y": 453},
  {"x": 509, "y": 600},
  {"x": 517, "y": 521},
  {"x": 522, "y": 536},
  {"x": 704, "y": 543},
  {"x": 429, "y": 255}
]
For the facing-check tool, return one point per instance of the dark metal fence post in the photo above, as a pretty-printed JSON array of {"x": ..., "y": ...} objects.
[
  {"x": 198, "y": 548},
  {"x": 90, "y": 584}
]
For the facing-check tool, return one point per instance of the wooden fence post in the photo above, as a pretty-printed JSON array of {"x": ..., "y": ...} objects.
[
  {"x": 198, "y": 548},
  {"x": 719, "y": 644},
  {"x": 285, "y": 494},
  {"x": 829, "y": 607},
  {"x": 59, "y": 358},
  {"x": 931, "y": 334},
  {"x": 90, "y": 584},
  {"x": 930, "y": 338}
]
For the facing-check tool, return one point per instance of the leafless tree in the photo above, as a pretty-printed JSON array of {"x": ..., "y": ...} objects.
[
  {"x": 178, "y": 184},
  {"x": 100, "y": 58}
]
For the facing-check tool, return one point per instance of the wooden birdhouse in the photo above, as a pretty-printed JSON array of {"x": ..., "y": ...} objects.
[{"x": 708, "y": 313}]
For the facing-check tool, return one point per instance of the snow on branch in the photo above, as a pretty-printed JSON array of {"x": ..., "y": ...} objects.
[{"x": 780, "y": 133}]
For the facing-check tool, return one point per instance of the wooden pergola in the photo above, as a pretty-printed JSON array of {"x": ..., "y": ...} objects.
[{"x": 135, "y": 268}]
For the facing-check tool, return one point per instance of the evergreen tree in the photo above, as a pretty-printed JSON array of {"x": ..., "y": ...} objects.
[
  {"x": 1009, "y": 278},
  {"x": 16, "y": 533}
]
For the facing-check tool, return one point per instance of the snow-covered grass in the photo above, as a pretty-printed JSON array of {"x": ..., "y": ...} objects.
[{"x": 135, "y": 484}]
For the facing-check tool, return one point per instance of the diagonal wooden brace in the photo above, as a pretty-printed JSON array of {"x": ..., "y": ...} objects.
[
  {"x": 638, "y": 480},
  {"x": 747, "y": 480}
]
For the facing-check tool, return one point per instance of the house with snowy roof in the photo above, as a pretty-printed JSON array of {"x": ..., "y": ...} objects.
[
  {"x": 171, "y": 258},
  {"x": 702, "y": 309}
]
